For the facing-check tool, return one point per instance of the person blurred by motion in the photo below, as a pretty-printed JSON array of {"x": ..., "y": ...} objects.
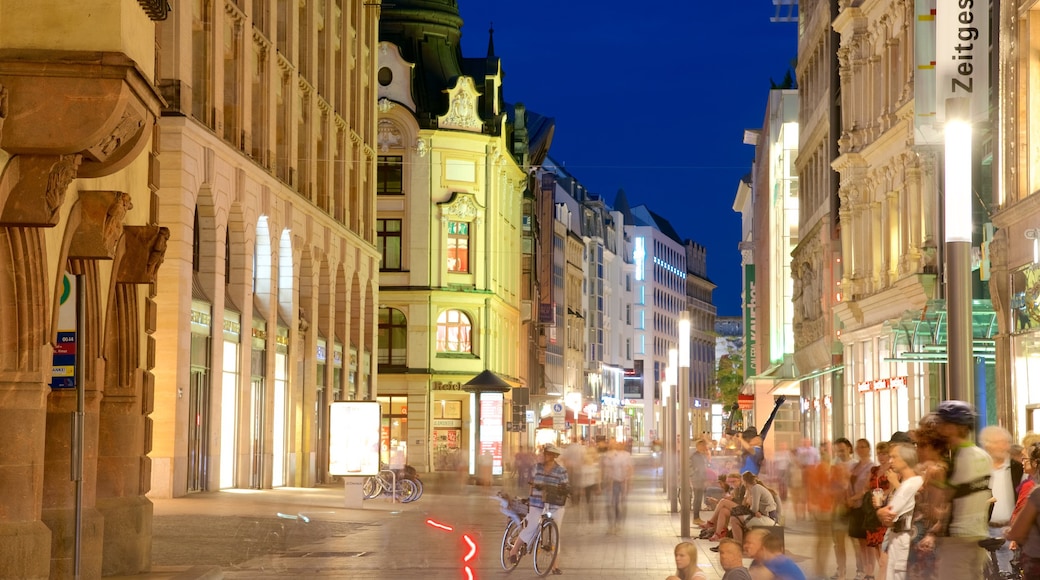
[
  {"x": 617, "y": 474},
  {"x": 546, "y": 473},
  {"x": 751, "y": 454},
  {"x": 698, "y": 478},
  {"x": 820, "y": 478},
  {"x": 898, "y": 513},
  {"x": 774, "y": 559},
  {"x": 1025, "y": 529},
  {"x": 841, "y": 488},
  {"x": 1003, "y": 481},
  {"x": 686, "y": 563},
  {"x": 930, "y": 506},
  {"x": 967, "y": 494}
]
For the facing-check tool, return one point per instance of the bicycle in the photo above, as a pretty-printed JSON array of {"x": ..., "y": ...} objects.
[
  {"x": 546, "y": 541},
  {"x": 387, "y": 483},
  {"x": 991, "y": 569}
]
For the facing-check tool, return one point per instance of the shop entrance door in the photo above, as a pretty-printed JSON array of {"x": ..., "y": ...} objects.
[
  {"x": 256, "y": 433},
  {"x": 198, "y": 425}
]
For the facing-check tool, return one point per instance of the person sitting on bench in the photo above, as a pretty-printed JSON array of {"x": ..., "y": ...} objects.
[{"x": 762, "y": 508}]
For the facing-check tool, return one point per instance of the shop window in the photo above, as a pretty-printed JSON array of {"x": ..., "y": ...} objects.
[
  {"x": 453, "y": 332},
  {"x": 390, "y": 175},
  {"x": 388, "y": 240},
  {"x": 393, "y": 335},
  {"x": 458, "y": 247}
]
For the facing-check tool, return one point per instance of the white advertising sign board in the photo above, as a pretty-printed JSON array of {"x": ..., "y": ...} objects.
[
  {"x": 354, "y": 438},
  {"x": 962, "y": 55}
]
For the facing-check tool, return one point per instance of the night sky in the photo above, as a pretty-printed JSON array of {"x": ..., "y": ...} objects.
[{"x": 651, "y": 97}]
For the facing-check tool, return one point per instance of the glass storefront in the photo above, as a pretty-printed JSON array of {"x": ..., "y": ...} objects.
[{"x": 393, "y": 433}]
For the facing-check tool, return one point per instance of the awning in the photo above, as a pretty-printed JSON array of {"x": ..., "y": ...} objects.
[
  {"x": 583, "y": 419},
  {"x": 922, "y": 333}
]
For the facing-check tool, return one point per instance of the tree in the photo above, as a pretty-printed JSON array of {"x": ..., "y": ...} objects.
[{"x": 729, "y": 377}]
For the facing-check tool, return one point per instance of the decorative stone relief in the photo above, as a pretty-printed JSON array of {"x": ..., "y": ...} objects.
[
  {"x": 144, "y": 249},
  {"x": 462, "y": 206},
  {"x": 101, "y": 224},
  {"x": 386, "y": 105},
  {"x": 388, "y": 135},
  {"x": 32, "y": 188},
  {"x": 420, "y": 147},
  {"x": 462, "y": 112}
]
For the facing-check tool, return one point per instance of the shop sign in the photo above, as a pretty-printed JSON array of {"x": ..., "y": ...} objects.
[
  {"x": 881, "y": 385},
  {"x": 746, "y": 402},
  {"x": 962, "y": 56},
  {"x": 445, "y": 386},
  {"x": 750, "y": 320},
  {"x": 447, "y": 423}
]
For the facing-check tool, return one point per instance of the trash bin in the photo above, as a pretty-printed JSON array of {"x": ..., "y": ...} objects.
[{"x": 484, "y": 461}]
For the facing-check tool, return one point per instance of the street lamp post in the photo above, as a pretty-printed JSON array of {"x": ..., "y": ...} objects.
[
  {"x": 672, "y": 374},
  {"x": 960, "y": 362},
  {"x": 684, "y": 422}
]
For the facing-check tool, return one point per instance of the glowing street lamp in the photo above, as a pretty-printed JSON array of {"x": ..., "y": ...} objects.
[
  {"x": 684, "y": 422},
  {"x": 960, "y": 366}
]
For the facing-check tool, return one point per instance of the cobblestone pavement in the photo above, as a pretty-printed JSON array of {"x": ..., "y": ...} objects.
[{"x": 238, "y": 534}]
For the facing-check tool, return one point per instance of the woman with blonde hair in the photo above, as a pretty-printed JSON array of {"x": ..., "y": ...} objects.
[{"x": 686, "y": 563}]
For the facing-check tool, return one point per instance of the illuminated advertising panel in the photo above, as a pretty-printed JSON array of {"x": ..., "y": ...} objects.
[
  {"x": 354, "y": 438},
  {"x": 491, "y": 428}
]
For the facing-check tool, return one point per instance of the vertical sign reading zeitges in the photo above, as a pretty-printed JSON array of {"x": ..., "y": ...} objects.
[
  {"x": 750, "y": 320},
  {"x": 962, "y": 55}
]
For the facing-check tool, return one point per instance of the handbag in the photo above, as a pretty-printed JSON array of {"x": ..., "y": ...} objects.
[{"x": 740, "y": 510}]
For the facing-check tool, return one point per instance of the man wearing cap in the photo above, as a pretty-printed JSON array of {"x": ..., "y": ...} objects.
[
  {"x": 546, "y": 473},
  {"x": 967, "y": 494}
]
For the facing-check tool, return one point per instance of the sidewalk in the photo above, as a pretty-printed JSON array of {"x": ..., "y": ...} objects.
[{"x": 239, "y": 534}]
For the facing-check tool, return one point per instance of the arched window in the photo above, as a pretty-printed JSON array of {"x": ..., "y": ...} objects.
[
  {"x": 453, "y": 332},
  {"x": 393, "y": 336}
]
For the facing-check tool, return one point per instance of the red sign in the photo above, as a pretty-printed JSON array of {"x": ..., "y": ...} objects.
[
  {"x": 881, "y": 385},
  {"x": 746, "y": 402}
]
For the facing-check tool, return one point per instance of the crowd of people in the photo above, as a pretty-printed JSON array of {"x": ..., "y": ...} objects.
[{"x": 914, "y": 506}]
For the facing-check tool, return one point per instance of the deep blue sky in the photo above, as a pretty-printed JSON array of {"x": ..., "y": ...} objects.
[{"x": 653, "y": 98}]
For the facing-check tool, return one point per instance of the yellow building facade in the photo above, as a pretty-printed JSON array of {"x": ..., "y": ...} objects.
[{"x": 448, "y": 224}]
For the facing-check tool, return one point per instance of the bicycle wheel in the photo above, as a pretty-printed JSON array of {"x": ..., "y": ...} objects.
[
  {"x": 406, "y": 491},
  {"x": 418, "y": 486},
  {"x": 372, "y": 487},
  {"x": 509, "y": 538},
  {"x": 547, "y": 547}
]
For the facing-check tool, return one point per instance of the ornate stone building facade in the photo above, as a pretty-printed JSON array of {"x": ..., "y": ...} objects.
[
  {"x": 889, "y": 229},
  {"x": 267, "y": 299},
  {"x": 1013, "y": 253},
  {"x": 80, "y": 245},
  {"x": 816, "y": 260},
  {"x": 451, "y": 181}
]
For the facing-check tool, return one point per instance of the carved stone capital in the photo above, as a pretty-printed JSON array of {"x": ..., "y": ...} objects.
[
  {"x": 101, "y": 224},
  {"x": 32, "y": 188},
  {"x": 143, "y": 253},
  {"x": 97, "y": 105}
]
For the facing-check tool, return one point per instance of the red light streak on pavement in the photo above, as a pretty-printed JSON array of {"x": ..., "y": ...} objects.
[
  {"x": 444, "y": 527},
  {"x": 472, "y": 548}
]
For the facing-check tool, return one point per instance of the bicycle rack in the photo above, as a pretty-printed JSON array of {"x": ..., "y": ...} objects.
[{"x": 393, "y": 484}]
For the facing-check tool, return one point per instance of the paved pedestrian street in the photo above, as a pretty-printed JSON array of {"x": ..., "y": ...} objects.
[{"x": 261, "y": 534}]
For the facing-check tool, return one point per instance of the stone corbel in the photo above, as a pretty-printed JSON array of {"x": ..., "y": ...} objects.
[
  {"x": 144, "y": 248},
  {"x": 101, "y": 224},
  {"x": 32, "y": 188}
]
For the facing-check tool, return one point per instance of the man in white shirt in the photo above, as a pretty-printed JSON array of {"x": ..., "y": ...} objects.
[
  {"x": 967, "y": 491},
  {"x": 1003, "y": 481}
]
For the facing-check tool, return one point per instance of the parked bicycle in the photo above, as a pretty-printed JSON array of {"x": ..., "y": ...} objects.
[
  {"x": 387, "y": 483},
  {"x": 546, "y": 543},
  {"x": 991, "y": 569}
]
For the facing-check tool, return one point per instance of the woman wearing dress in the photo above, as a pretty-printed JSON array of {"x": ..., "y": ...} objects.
[
  {"x": 899, "y": 512},
  {"x": 686, "y": 563}
]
